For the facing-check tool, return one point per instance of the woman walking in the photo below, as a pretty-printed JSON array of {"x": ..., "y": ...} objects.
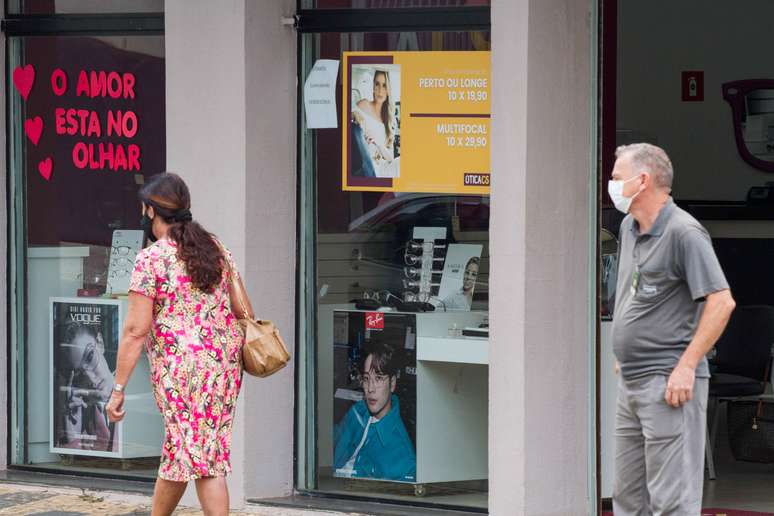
[{"x": 179, "y": 309}]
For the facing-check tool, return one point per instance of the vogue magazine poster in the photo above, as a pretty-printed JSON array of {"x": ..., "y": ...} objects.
[{"x": 84, "y": 345}]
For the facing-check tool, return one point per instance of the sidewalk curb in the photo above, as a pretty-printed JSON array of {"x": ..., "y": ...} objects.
[{"x": 33, "y": 498}]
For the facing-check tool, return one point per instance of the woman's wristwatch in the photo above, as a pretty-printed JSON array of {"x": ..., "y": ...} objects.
[{"x": 117, "y": 387}]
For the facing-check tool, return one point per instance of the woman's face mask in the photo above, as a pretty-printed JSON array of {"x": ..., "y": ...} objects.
[
  {"x": 615, "y": 188},
  {"x": 146, "y": 224}
]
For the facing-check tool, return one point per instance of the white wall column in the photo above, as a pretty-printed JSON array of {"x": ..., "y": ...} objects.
[
  {"x": 231, "y": 125},
  {"x": 540, "y": 382},
  {"x": 271, "y": 236},
  {"x": 205, "y": 99}
]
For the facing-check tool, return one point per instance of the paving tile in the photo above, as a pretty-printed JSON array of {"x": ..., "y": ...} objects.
[
  {"x": 9, "y": 499},
  {"x": 43, "y": 501},
  {"x": 57, "y": 513}
]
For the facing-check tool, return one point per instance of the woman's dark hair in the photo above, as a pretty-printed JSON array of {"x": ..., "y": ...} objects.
[
  {"x": 168, "y": 194},
  {"x": 73, "y": 329},
  {"x": 388, "y": 109},
  {"x": 69, "y": 332},
  {"x": 384, "y": 359}
]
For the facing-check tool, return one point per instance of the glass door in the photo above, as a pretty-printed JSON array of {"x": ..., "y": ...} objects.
[{"x": 376, "y": 420}]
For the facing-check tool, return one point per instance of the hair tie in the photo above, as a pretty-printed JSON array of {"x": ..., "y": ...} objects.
[{"x": 183, "y": 216}]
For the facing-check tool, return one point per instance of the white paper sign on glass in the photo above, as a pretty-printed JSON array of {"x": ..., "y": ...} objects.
[{"x": 320, "y": 95}]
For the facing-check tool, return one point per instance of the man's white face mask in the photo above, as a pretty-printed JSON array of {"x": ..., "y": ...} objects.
[{"x": 615, "y": 188}]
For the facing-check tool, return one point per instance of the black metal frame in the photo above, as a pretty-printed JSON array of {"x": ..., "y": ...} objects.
[
  {"x": 8, "y": 294},
  {"x": 311, "y": 21},
  {"x": 393, "y": 20},
  {"x": 82, "y": 24},
  {"x": 337, "y": 502},
  {"x": 20, "y": 25}
]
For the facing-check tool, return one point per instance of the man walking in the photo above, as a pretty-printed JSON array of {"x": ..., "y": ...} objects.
[{"x": 673, "y": 303}]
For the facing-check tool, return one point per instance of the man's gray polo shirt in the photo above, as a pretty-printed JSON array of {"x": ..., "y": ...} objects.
[{"x": 663, "y": 275}]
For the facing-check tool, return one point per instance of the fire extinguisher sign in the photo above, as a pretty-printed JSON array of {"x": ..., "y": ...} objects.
[{"x": 693, "y": 86}]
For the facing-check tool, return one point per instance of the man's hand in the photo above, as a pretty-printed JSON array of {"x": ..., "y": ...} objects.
[
  {"x": 679, "y": 388},
  {"x": 115, "y": 407}
]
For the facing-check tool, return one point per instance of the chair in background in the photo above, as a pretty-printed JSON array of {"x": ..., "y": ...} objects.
[{"x": 740, "y": 365}]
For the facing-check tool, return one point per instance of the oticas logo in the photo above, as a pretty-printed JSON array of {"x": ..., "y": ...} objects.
[{"x": 374, "y": 321}]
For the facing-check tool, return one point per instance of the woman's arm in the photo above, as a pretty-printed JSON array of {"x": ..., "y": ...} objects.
[
  {"x": 139, "y": 320},
  {"x": 357, "y": 115},
  {"x": 386, "y": 152}
]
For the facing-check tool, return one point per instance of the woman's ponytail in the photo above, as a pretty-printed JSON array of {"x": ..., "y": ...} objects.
[{"x": 203, "y": 258}]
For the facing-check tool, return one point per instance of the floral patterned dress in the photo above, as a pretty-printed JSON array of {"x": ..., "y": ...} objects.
[{"x": 194, "y": 350}]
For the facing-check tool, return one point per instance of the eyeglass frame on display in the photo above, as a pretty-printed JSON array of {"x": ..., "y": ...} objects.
[{"x": 378, "y": 379}]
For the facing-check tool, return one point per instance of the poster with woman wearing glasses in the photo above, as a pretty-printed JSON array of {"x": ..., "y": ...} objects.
[
  {"x": 375, "y": 398},
  {"x": 84, "y": 340},
  {"x": 374, "y": 129},
  {"x": 460, "y": 273}
]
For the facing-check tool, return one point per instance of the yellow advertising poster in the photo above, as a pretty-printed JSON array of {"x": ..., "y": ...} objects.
[{"x": 416, "y": 122}]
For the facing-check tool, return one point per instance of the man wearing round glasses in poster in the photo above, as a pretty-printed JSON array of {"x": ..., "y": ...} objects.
[
  {"x": 371, "y": 441},
  {"x": 83, "y": 386}
]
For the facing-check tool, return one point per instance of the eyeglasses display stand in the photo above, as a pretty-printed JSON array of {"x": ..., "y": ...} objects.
[
  {"x": 421, "y": 256},
  {"x": 125, "y": 245},
  {"x": 449, "y": 389}
]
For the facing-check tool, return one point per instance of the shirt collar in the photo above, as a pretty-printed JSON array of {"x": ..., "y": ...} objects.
[{"x": 657, "y": 229}]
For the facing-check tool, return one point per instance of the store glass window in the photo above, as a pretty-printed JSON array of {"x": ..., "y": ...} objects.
[
  {"x": 394, "y": 374},
  {"x": 86, "y": 129},
  {"x": 49, "y": 7}
]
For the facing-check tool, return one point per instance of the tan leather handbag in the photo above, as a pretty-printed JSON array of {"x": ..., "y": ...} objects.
[{"x": 263, "y": 352}]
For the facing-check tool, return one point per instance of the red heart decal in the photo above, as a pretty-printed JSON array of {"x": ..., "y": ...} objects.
[
  {"x": 45, "y": 168},
  {"x": 34, "y": 128},
  {"x": 23, "y": 79}
]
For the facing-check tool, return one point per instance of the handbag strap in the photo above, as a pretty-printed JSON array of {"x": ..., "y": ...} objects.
[{"x": 232, "y": 285}]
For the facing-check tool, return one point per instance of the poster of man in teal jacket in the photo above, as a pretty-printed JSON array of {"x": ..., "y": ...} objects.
[{"x": 371, "y": 440}]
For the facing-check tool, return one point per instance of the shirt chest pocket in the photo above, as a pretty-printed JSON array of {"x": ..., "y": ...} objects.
[{"x": 652, "y": 285}]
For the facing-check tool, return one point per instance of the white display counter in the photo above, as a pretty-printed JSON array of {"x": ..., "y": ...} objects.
[
  {"x": 452, "y": 399},
  {"x": 57, "y": 272},
  {"x": 51, "y": 271}
]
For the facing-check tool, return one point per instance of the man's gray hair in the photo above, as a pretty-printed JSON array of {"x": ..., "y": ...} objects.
[{"x": 649, "y": 158}]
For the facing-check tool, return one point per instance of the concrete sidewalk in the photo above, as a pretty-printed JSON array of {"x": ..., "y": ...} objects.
[{"x": 23, "y": 499}]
